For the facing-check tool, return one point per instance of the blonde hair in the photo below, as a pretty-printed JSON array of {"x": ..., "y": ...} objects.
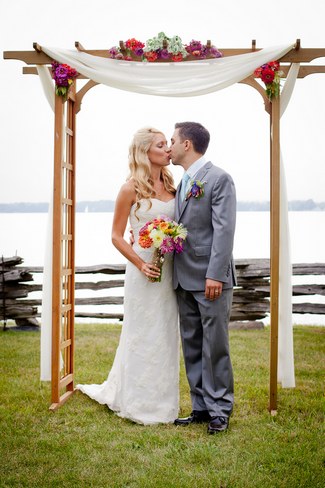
[{"x": 139, "y": 165}]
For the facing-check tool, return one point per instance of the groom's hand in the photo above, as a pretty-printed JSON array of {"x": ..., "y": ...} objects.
[
  {"x": 131, "y": 237},
  {"x": 213, "y": 289}
]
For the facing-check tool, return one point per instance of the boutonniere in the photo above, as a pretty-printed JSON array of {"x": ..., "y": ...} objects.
[{"x": 196, "y": 190}]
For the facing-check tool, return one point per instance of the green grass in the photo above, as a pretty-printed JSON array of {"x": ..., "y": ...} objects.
[{"x": 83, "y": 444}]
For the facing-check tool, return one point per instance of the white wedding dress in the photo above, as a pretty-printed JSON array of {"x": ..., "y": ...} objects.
[{"x": 143, "y": 383}]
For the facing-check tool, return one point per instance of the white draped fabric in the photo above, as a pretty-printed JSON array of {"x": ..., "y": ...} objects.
[
  {"x": 183, "y": 79},
  {"x": 286, "y": 371},
  {"x": 168, "y": 79},
  {"x": 46, "y": 316},
  {"x": 47, "y": 84}
]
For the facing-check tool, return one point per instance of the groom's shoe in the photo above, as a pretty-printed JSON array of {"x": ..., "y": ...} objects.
[
  {"x": 196, "y": 417},
  {"x": 218, "y": 424}
]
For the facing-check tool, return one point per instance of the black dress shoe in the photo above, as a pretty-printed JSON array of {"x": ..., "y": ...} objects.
[
  {"x": 218, "y": 424},
  {"x": 196, "y": 417}
]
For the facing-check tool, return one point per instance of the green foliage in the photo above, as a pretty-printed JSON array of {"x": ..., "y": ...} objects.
[{"x": 83, "y": 444}]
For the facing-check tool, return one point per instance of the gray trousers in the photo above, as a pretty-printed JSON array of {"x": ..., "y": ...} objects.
[{"x": 205, "y": 341}]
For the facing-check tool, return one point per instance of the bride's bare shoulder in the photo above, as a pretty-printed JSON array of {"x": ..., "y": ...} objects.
[{"x": 128, "y": 190}]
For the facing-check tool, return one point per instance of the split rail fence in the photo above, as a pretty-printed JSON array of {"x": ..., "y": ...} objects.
[{"x": 251, "y": 301}]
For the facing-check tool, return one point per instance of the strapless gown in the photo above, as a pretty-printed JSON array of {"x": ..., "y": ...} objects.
[{"x": 143, "y": 383}]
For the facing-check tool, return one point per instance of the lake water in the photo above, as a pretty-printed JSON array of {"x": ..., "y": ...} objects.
[{"x": 25, "y": 235}]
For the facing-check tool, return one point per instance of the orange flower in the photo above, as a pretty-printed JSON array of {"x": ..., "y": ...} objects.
[
  {"x": 151, "y": 56},
  {"x": 145, "y": 241},
  {"x": 164, "y": 226},
  {"x": 177, "y": 57}
]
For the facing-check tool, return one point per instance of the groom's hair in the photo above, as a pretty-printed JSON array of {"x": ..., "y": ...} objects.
[{"x": 196, "y": 133}]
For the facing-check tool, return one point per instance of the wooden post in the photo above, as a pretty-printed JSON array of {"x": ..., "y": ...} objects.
[
  {"x": 57, "y": 254},
  {"x": 63, "y": 272},
  {"x": 71, "y": 258},
  {"x": 275, "y": 248}
]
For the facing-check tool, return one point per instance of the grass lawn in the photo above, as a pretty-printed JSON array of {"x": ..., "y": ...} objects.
[{"x": 83, "y": 444}]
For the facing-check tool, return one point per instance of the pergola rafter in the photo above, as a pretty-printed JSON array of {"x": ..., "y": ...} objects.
[{"x": 64, "y": 207}]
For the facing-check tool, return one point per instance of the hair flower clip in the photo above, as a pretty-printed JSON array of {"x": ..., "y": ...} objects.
[{"x": 196, "y": 190}]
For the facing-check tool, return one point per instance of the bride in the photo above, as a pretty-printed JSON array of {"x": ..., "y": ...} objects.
[{"x": 142, "y": 384}]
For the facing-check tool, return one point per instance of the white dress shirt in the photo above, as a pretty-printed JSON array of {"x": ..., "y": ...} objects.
[{"x": 193, "y": 170}]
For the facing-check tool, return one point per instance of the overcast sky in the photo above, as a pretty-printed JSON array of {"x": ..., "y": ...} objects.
[{"x": 235, "y": 116}]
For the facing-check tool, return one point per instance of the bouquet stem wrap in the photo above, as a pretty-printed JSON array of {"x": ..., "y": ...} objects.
[
  {"x": 157, "y": 260},
  {"x": 165, "y": 236}
]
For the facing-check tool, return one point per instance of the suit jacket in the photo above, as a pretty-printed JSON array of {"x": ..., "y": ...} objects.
[{"x": 210, "y": 221}]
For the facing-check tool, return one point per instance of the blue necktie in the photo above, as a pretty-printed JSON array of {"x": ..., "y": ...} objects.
[{"x": 185, "y": 179}]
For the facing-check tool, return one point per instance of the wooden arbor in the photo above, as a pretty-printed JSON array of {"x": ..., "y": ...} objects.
[{"x": 64, "y": 210}]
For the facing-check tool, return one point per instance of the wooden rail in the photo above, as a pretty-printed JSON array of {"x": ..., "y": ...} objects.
[{"x": 251, "y": 301}]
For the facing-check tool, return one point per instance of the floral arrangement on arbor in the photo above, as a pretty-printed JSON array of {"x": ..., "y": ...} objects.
[
  {"x": 64, "y": 77},
  {"x": 270, "y": 74},
  {"x": 162, "y": 48},
  {"x": 165, "y": 236}
]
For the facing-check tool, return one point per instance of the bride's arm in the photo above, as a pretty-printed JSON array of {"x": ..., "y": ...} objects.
[{"x": 123, "y": 204}]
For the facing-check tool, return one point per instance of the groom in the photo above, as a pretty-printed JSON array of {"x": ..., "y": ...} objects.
[{"x": 204, "y": 276}]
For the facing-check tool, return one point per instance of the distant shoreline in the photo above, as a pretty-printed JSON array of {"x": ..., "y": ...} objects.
[{"x": 108, "y": 206}]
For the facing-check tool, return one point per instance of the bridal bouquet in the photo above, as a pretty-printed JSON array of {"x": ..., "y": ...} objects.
[{"x": 165, "y": 236}]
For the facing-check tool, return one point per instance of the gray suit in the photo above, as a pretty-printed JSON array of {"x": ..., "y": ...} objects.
[{"x": 210, "y": 221}]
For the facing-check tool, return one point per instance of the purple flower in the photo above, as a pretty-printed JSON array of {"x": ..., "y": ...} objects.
[
  {"x": 164, "y": 54},
  {"x": 195, "y": 45},
  {"x": 167, "y": 246},
  {"x": 195, "y": 190},
  {"x": 166, "y": 218},
  {"x": 113, "y": 52},
  {"x": 138, "y": 51},
  {"x": 178, "y": 244},
  {"x": 61, "y": 75},
  {"x": 62, "y": 82},
  {"x": 204, "y": 52},
  {"x": 61, "y": 72},
  {"x": 216, "y": 53}
]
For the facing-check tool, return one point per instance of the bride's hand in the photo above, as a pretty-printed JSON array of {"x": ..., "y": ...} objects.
[{"x": 150, "y": 270}]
